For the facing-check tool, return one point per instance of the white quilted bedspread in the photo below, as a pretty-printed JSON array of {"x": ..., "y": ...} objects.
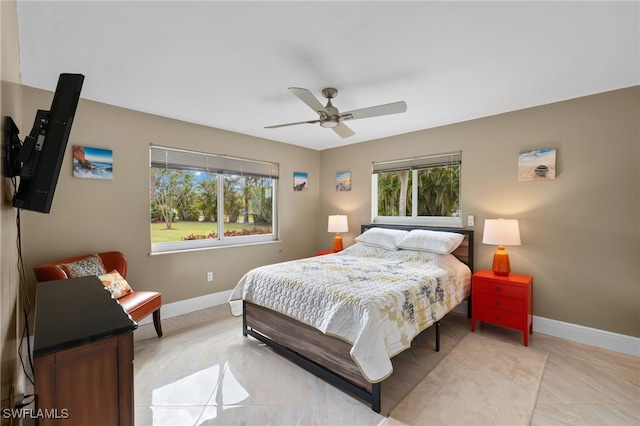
[{"x": 376, "y": 299}]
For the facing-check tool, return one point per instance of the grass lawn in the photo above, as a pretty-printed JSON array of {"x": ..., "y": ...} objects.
[{"x": 160, "y": 233}]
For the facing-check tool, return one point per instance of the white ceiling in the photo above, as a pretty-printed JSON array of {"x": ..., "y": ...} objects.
[{"x": 228, "y": 64}]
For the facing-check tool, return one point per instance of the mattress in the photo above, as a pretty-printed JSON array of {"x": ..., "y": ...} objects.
[{"x": 378, "y": 300}]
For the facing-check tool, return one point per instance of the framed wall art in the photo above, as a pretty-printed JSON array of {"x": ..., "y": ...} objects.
[
  {"x": 537, "y": 165},
  {"x": 92, "y": 163},
  {"x": 300, "y": 181},
  {"x": 343, "y": 181}
]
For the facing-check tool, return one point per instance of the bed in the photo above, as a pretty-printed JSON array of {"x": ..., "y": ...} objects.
[{"x": 343, "y": 316}]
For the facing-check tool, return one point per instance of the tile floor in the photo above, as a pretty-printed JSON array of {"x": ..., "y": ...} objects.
[{"x": 204, "y": 372}]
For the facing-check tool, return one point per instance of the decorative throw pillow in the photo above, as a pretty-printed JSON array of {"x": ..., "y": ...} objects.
[
  {"x": 382, "y": 237},
  {"x": 91, "y": 265},
  {"x": 431, "y": 241},
  {"x": 116, "y": 284}
]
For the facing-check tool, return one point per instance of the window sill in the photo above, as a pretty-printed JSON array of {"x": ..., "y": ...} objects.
[{"x": 217, "y": 247}]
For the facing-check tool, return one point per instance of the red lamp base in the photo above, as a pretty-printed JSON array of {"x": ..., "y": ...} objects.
[
  {"x": 337, "y": 243},
  {"x": 501, "y": 264}
]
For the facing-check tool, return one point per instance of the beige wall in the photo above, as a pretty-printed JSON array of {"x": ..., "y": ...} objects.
[
  {"x": 580, "y": 232},
  {"x": 90, "y": 216},
  {"x": 10, "y": 307}
]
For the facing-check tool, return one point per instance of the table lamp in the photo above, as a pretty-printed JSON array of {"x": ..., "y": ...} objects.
[
  {"x": 337, "y": 223},
  {"x": 501, "y": 232}
]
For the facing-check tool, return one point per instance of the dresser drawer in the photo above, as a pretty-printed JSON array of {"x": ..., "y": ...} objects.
[
  {"x": 500, "y": 317},
  {"x": 499, "y": 289},
  {"x": 492, "y": 301}
]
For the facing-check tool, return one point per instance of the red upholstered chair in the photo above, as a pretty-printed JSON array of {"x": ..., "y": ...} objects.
[{"x": 138, "y": 304}]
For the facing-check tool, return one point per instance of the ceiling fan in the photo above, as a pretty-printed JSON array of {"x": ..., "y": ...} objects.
[{"x": 331, "y": 118}]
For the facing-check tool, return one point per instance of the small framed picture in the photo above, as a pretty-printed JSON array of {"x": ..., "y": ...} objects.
[
  {"x": 343, "y": 181},
  {"x": 537, "y": 165},
  {"x": 92, "y": 163},
  {"x": 300, "y": 181}
]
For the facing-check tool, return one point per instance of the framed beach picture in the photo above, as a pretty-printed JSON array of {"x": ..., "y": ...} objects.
[
  {"x": 537, "y": 165},
  {"x": 343, "y": 181},
  {"x": 300, "y": 181},
  {"x": 92, "y": 163}
]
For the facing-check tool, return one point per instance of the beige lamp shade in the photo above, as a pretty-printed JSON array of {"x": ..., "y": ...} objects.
[
  {"x": 501, "y": 232},
  {"x": 338, "y": 223}
]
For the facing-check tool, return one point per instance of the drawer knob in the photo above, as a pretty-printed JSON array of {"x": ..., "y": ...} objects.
[
  {"x": 497, "y": 303},
  {"x": 497, "y": 288},
  {"x": 497, "y": 317}
]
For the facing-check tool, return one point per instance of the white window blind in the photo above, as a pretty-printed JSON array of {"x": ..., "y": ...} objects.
[
  {"x": 438, "y": 160},
  {"x": 173, "y": 158}
]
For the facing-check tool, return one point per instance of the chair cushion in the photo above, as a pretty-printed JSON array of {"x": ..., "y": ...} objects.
[
  {"x": 116, "y": 284},
  {"x": 139, "y": 304}
]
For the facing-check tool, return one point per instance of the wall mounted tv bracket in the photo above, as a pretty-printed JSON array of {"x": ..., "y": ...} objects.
[
  {"x": 15, "y": 152},
  {"x": 11, "y": 146}
]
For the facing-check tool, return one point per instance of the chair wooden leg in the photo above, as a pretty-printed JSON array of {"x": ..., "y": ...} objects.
[{"x": 156, "y": 322}]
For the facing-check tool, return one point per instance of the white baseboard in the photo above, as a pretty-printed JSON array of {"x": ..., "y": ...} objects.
[
  {"x": 190, "y": 305},
  {"x": 590, "y": 336},
  {"x": 577, "y": 333}
]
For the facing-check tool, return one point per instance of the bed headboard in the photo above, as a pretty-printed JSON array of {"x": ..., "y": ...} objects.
[{"x": 464, "y": 252}]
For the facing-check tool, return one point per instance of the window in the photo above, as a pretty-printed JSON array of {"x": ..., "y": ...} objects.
[
  {"x": 202, "y": 200},
  {"x": 418, "y": 190}
]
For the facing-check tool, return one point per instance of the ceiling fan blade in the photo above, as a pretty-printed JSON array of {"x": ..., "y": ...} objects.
[
  {"x": 343, "y": 130},
  {"x": 292, "y": 124},
  {"x": 307, "y": 97},
  {"x": 375, "y": 111}
]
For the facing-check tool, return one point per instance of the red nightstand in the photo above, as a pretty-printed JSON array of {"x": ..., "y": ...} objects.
[
  {"x": 505, "y": 301},
  {"x": 323, "y": 252}
]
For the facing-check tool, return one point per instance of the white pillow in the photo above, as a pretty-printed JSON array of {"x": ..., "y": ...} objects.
[
  {"x": 382, "y": 237},
  {"x": 431, "y": 241}
]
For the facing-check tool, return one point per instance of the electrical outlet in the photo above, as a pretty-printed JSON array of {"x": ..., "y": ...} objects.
[
  {"x": 470, "y": 220},
  {"x": 209, "y": 276}
]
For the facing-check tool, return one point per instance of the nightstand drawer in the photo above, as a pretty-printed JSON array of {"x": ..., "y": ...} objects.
[
  {"x": 491, "y": 301},
  {"x": 496, "y": 288},
  {"x": 500, "y": 317}
]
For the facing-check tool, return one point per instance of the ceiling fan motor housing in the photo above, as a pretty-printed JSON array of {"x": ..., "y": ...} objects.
[{"x": 330, "y": 118}]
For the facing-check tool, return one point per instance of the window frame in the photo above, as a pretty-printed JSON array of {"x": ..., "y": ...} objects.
[
  {"x": 223, "y": 166},
  {"x": 415, "y": 164}
]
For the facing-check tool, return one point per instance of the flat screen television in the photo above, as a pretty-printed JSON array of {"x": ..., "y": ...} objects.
[{"x": 40, "y": 156}]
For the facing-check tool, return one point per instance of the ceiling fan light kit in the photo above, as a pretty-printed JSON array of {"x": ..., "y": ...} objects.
[
  {"x": 330, "y": 123},
  {"x": 331, "y": 118}
]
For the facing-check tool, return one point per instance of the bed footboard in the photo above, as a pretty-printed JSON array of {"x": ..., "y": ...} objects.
[{"x": 325, "y": 356}]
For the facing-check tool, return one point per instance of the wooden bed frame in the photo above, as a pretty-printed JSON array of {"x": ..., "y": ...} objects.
[{"x": 326, "y": 356}]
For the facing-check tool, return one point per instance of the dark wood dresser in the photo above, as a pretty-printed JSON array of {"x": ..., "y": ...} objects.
[{"x": 83, "y": 355}]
